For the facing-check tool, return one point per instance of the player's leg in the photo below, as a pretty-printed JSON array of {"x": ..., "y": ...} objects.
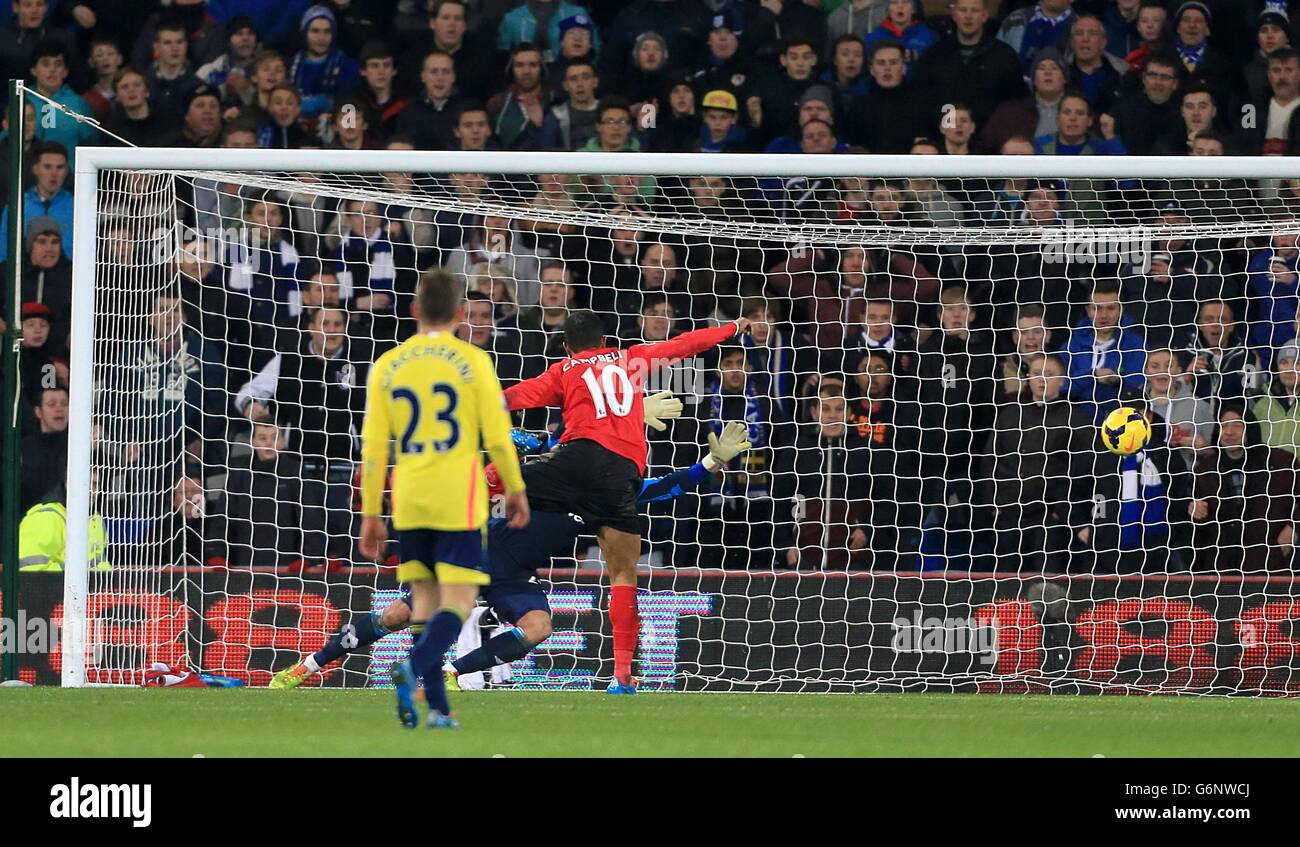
[
  {"x": 424, "y": 599},
  {"x": 456, "y": 599},
  {"x": 602, "y": 486},
  {"x": 527, "y": 607},
  {"x": 360, "y": 633},
  {"x": 621, "y": 549},
  {"x": 445, "y": 570},
  {"x": 509, "y": 646}
]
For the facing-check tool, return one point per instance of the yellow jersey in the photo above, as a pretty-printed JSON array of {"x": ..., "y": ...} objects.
[{"x": 439, "y": 400}]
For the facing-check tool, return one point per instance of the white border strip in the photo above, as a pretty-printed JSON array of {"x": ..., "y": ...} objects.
[
  {"x": 90, "y": 160},
  {"x": 76, "y": 564},
  {"x": 687, "y": 164}
]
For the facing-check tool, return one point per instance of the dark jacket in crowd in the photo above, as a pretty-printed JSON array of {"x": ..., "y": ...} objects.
[
  {"x": 1251, "y": 499},
  {"x": 826, "y": 482},
  {"x": 429, "y": 125},
  {"x": 479, "y": 67},
  {"x": 830, "y": 487},
  {"x": 980, "y": 77},
  {"x": 53, "y": 287},
  {"x": 264, "y": 511},
  {"x": 887, "y": 120},
  {"x": 684, "y": 26},
  {"x": 1141, "y": 123},
  {"x": 1041, "y": 463},
  {"x": 324, "y": 399},
  {"x": 45, "y": 465},
  {"x": 955, "y": 386},
  {"x": 1250, "y": 139},
  {"x": 1164, "y": 311}
]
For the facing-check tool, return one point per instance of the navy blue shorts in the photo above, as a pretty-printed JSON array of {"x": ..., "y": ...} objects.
[
  {"x": 510, "y": 601},
  {"x": 453, "y": 557}
]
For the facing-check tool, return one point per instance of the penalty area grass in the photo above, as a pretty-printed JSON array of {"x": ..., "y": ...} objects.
[{"x": 47, "y": 722}]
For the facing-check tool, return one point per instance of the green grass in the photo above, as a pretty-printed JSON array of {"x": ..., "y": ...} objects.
[{"x": 132, "y": 722}]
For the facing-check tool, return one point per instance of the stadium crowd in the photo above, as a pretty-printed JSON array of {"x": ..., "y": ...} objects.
[{"x": 911, "y": 406}]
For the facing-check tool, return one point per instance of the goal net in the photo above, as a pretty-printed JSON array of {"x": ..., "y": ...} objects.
[{"x": 926, "y": 504}]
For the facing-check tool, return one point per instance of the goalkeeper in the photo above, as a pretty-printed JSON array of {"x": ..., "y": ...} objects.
[{"x": 514, "y": 556}]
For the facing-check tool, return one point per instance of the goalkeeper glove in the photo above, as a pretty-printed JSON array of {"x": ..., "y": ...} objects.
[
  {"x": 526, "y": 443},
  {"x": 733, "y": 441},
  {"x": 659, "y": 408}
]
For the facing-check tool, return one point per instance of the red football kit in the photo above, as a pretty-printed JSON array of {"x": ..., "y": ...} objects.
[{"x": 600, "y": 390}]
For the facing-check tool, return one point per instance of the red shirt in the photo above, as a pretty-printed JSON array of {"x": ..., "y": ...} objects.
[{"x": 600, "y": 390}]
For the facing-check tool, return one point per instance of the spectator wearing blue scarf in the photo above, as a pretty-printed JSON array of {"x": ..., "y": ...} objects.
[
  {"x": 1143, "y": 503},
  {"x": 1204, "y": 62},
  {"x": 260, "y": 276},
  {"x": 771, "y": 359},
  {"x": 736, "y": 395},
  {"x": 376, "y": 271},
  {"x": 746, "y": 530},
  {"x": 321, "y": 70},
  {"x": 1139, "y": 520},
  {"x": 364, "y": 263}
]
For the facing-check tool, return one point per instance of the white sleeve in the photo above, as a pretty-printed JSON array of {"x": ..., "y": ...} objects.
[{"x": 260, "y": 387}]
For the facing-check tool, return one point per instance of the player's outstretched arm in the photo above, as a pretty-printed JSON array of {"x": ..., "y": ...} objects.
[
  {"x": 723, "y": 447},
  {"x": 689, "y": 343},
  {"x": 542, "y": 390},
  {"x": 726, "y": 445}
]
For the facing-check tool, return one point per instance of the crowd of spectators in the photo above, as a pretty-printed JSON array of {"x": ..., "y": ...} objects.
[{"x": 912, "y": 405}]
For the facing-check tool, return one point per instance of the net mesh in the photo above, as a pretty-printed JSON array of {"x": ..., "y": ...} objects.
[{"x": 926, "y": 502}]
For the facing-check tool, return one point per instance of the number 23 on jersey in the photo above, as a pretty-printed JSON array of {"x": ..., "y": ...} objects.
[{"x": 442, "y": 397}]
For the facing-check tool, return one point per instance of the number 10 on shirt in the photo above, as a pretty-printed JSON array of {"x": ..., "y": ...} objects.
[{"x": 613, "y": 391}]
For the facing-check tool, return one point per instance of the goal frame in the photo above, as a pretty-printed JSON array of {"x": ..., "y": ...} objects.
[{"x": 92, "y": 160}]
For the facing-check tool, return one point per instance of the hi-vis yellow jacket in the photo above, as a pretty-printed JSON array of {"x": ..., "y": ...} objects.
[{"x": 42, "y": 543}]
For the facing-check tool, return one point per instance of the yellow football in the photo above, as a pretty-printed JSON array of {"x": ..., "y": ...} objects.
[{"x": 1125, "y": 431}]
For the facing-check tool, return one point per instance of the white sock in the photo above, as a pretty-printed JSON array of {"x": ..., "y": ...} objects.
[{"x": 310, "y": 664}]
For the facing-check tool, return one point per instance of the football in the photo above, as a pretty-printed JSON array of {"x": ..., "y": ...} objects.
[{"x": 1125, "y": 431}]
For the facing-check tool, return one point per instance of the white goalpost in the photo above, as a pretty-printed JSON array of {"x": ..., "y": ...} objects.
[{"x": 927, "y": 504}]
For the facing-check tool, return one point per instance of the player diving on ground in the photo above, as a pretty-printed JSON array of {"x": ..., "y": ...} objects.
[{"x": 514, "y": 555}]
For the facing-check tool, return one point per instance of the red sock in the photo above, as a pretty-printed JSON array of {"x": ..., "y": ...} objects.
[{"x": 626, "y": 623}]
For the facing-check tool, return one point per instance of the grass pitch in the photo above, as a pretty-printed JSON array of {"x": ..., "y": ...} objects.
[{"x": 48, "y": 722}]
